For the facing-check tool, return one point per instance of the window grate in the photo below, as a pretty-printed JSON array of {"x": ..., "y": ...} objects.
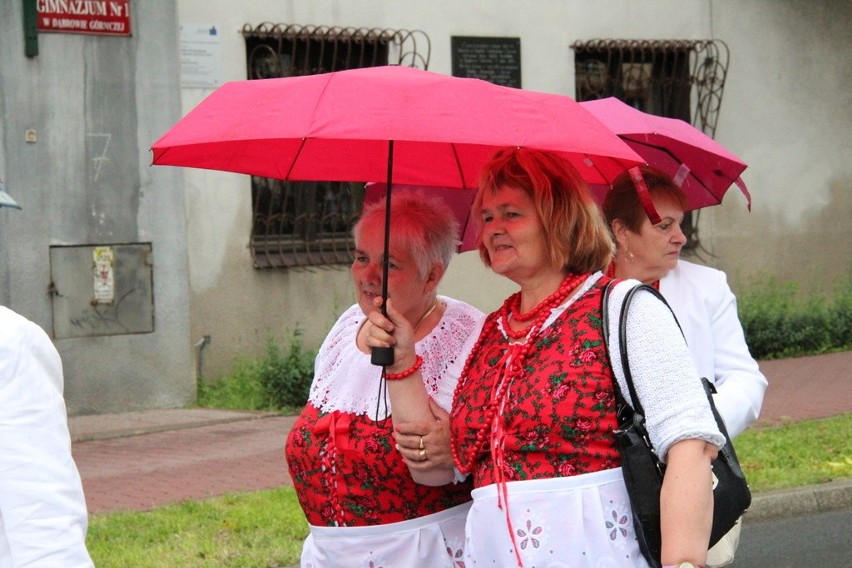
[
  {"x": 296, "y": 224},
  {"x": 681, "y": 79}
]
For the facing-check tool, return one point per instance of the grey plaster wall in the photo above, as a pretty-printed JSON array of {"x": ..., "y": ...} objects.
[
  {"x": 786, "y": 111},
  {"x": 96, "y": 104}
]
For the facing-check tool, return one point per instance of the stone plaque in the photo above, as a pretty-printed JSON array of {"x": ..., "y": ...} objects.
[{"x": 495, "y": 59}]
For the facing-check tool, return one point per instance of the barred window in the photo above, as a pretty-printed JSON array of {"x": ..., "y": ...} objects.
[
  {"x": 674, "y": 78},
  {"x": 295, "y": 224}
]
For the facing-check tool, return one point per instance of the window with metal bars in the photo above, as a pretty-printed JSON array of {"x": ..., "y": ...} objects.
[
  {"x": 300, "y": 225},
  {"x": 674, "y": 78}
]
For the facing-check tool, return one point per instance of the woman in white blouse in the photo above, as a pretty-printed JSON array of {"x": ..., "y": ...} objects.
[{"x": 699, "y": 295}]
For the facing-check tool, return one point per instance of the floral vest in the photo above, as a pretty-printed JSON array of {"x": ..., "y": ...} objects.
[{"x": 557, "y": 417}]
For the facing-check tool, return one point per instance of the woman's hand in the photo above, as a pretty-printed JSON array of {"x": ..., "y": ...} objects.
[
  {"x": 394, "y": 331},
  {"x": 425, "y": 447}
]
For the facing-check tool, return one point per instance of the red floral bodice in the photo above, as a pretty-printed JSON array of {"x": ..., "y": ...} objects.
[
  {"x": 556, "y": 419},
  {"x": 346, "y": 472}
]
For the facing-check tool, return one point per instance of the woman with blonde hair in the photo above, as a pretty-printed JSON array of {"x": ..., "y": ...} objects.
[{"x": 358, "y": 493}]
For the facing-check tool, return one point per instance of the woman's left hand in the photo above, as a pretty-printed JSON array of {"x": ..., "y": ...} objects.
[{"x": 426, "y": 445}]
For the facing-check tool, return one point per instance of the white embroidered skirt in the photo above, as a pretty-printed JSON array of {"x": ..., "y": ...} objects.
[
  {"x": 582, "y": 521},
  {"x": 433, "y": 541}
]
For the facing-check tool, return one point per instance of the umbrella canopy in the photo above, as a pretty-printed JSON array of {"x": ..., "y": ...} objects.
[
  {"x": 389, "y": 123},
  {"x": 337, "y": 127},
  {"x": 702, "y": 167}
]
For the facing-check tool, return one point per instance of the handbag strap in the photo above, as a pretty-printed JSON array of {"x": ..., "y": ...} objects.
[
  {"x": 622, "y": 338},
  {"x": 624, "y": 411}
]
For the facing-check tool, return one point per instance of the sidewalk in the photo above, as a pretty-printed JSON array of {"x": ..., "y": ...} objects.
[{"x": 143, "y": 460}]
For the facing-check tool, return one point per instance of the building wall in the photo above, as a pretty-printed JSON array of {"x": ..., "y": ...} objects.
[
  {"x": 785, "y": 111},
  {"x": 96, "y": 103}
]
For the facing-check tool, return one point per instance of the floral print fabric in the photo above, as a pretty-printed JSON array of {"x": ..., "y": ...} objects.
[
  {"x": 558, "y": 416},
  {"x": 347, "y": 472}
]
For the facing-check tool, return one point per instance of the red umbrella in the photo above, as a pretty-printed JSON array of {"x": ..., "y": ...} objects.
[
  {"x": 340, "y": 127},
  {"x": 458, "y": 201},
  {"x": 702, "y": 167},
  {"x": 390, "y": 124}
]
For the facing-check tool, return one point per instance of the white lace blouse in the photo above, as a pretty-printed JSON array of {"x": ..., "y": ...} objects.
[{"x": 346, "y": 380}]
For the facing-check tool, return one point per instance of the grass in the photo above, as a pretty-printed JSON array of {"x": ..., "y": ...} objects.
[
  {"x": 265, "y": 529},
  {"x": 795, "y": 454},
  {"x": 241, "y": 530}
]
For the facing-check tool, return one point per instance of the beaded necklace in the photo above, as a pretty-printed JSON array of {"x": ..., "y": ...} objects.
[
  {"x": 509, "y": 367},
  {"x": 540, "y": 312},
  {"x": 511, "y": 364}
]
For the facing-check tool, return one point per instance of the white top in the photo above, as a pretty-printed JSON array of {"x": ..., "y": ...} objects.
[
  {"x": 659, "y": 358},
  {"x": 707, "y": 311},
  {"x": 43, "y": 516},
  {"x": 347, "y": 381}
]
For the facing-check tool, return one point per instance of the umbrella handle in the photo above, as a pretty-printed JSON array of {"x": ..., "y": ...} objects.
[{"x": 384, "y": 355}]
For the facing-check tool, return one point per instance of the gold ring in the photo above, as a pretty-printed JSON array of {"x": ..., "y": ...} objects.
[
  {"x": 422, "y": 447},
  {"x": 422, "y": 455}
]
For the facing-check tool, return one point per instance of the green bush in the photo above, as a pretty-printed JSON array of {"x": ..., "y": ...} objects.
[
  {"x": 286, "y": 378},
  {"x": 841, "y": 324},
  {"x": 240, "y": 390},
  {"x": 778, "y": 322},
  {"x": 277, "y": 381}
]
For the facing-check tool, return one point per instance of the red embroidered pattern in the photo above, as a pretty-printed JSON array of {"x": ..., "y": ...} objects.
[
  {"x": 555, "y": 422},
  {"x": 346, "y": 472}
]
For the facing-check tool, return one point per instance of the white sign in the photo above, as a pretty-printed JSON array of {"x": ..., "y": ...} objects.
[
  {"x": 103, "y": 260},
  {"x": 200, "y": 56}
]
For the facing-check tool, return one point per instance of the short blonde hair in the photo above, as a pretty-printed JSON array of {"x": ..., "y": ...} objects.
[{"x": 422, "y": 223}]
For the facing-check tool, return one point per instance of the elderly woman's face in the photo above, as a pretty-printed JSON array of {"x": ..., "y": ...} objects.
[
  {"x": 407, "y": 289},
  {"x": 657, "y": 247}
]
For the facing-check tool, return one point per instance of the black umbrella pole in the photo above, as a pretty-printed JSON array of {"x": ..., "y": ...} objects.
[{"x": 384, "y": 355}]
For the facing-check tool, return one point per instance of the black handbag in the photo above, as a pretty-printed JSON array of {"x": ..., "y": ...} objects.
[{"x": 643, "y": 471}]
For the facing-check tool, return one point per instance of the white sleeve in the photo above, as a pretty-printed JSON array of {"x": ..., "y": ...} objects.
[
  {"x": 664, "y": 375},
  {"x": 42, "y": 507},
  {"x": 739, "y": 383}
]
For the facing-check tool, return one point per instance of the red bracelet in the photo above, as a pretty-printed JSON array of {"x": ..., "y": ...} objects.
[{"x": 418, "y": 362}]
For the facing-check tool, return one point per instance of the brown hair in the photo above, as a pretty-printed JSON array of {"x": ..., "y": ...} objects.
[
  {"x": 577, "y": 238},
  {"x": 622, "y": 202}
]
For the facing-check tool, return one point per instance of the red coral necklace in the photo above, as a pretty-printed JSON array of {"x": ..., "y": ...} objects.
[{"x": 518, "y": 353}]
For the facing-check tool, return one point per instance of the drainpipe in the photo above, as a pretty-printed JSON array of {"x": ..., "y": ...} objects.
[{"x": 199, "y": 361}]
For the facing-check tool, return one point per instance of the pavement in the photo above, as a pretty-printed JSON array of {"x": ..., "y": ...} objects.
[{"x": 143, "y": 460}]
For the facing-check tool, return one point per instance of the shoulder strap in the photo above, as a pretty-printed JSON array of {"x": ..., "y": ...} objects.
[
  {"x": 624, "y": 411},
  {"x": 622, "y": 335}
]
